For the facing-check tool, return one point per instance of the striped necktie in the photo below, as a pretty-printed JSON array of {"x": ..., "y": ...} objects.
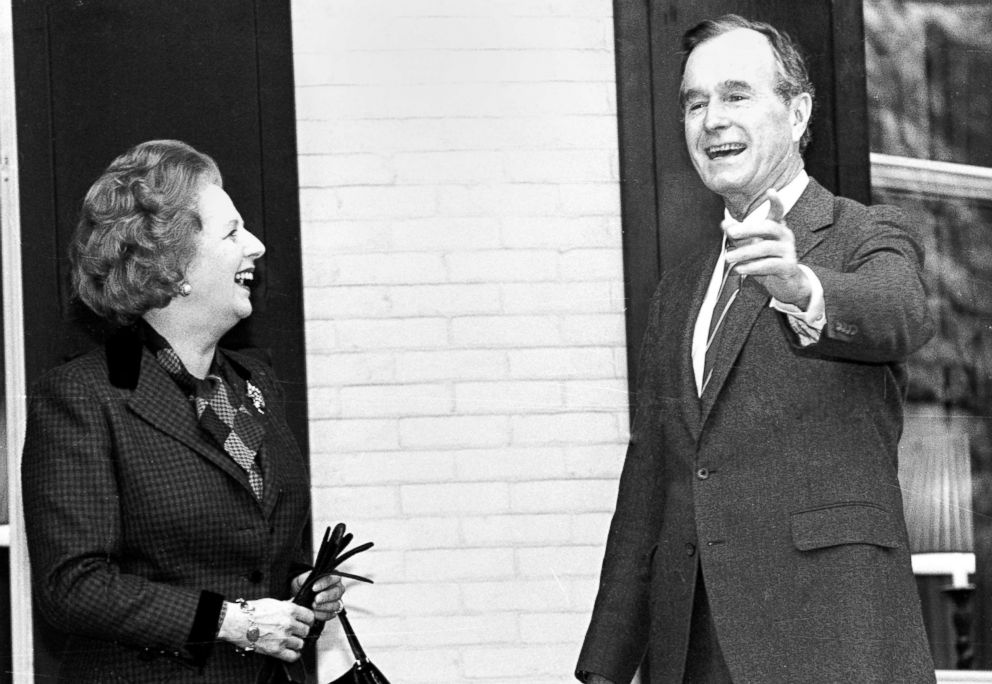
[{"x": 729, "y": 287}]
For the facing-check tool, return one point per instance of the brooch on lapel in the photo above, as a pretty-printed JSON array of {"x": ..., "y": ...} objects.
[{"x": 256, "y": 397}]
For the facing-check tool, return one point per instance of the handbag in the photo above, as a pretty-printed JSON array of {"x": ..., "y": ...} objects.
[
  {"x": 363, "y": 671},
  {"x": 329, "y": 556}
]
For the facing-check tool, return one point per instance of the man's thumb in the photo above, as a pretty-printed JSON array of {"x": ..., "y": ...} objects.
[{"x": 776, "y": 211}]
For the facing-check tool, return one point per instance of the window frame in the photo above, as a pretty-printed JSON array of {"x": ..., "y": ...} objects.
[{"x": 943, "y": 180}]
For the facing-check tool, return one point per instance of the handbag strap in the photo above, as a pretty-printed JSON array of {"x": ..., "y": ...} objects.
[{"x": 356, "y": 647}]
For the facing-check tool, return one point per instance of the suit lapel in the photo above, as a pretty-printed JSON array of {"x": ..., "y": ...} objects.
[
  {"x": 701, "y": 271},
  {"x": 811, "y": 213},
  {"x": 158, "y": 400},
  {"x": 273, "y": 477}
]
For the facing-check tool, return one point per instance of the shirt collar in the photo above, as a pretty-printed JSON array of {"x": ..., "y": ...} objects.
[{"x": 790, "y": 193}]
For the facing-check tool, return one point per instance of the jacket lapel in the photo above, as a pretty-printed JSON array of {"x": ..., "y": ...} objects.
[
  {"x": 273, "y": 477},
  {"x": 811, "y": 213},
  {"x": 158, "y": 400},
  {"x": 701, "y": 271}
]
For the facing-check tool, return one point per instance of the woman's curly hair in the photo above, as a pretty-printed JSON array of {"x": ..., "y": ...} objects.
[{"x": 136, "y": 234}]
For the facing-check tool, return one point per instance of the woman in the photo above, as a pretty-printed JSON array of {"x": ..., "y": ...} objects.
[{"x": 166, "y": 502}]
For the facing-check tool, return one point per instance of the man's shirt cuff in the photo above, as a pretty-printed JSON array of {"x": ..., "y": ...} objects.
[{"x": 808, "y": 323}]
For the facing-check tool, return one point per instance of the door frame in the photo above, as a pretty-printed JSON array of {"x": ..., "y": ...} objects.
[{"x": 15, "y": 384}]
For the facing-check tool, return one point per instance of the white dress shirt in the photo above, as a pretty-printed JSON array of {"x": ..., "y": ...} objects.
[{"x": 806, "y": 323}]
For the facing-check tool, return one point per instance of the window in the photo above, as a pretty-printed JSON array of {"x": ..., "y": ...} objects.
[{"x": 929, "y": 66}]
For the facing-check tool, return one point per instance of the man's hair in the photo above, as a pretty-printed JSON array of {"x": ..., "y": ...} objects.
[
  {"x": 137, "y": 231},
  {"x": 793, "y": 76}
]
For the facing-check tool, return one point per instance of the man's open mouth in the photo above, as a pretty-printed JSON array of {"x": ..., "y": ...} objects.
[
  {"x": 244, "y": 278},
  {"x": 725, "y": 150}
]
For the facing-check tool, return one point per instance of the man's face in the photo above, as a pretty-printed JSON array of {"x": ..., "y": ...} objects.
[{"x": 742, "y": 138}]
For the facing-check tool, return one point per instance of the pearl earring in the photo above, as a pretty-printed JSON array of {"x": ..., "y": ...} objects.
[{"x": 185, "y": 289}]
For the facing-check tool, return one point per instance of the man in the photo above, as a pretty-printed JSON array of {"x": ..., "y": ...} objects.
[{"x": 759, "y": 534}]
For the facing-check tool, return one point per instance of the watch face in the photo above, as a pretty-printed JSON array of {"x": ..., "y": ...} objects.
[{"x": 252, "y": 635}]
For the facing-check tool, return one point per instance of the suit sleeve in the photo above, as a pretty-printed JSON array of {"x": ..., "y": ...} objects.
[
  {"x": 876, "y": 306},
  {"x": 617, "y": 636},
  {"x": 74, "y": 529}
]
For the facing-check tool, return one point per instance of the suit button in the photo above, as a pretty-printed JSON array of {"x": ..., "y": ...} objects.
[
  {"x": 690, "y": 549},
  {"x": 702, "y": 473},
  {"x": 256, "y": 576}
]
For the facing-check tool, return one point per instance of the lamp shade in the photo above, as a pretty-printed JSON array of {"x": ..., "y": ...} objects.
[{"x": 935, "y": 475}]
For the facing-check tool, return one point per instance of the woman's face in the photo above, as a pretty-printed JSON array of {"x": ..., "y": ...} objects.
[{"x": 223, "y": 267}]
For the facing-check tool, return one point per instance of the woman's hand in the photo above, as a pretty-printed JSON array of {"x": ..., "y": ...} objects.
[
  {"x": 282, "y": 627},
  {"x": 329, "y": 591}
]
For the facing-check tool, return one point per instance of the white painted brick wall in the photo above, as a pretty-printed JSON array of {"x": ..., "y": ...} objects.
[{"x": 464, "y": 306}]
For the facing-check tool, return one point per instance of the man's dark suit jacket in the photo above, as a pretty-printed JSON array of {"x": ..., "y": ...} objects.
[
  {"x": 138, "y": 524},
  {"x": 780, "y": 481}
]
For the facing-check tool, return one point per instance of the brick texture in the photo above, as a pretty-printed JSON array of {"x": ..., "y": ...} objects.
[{"x": 464, "y": 306}]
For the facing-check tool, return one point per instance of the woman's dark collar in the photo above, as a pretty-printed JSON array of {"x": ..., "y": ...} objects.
[{"x": 124, "y": 350}]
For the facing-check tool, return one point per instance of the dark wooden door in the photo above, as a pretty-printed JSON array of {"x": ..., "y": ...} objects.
[
  {"x": 667, "y": 212},
  {"x": 95, "y": 77}
]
